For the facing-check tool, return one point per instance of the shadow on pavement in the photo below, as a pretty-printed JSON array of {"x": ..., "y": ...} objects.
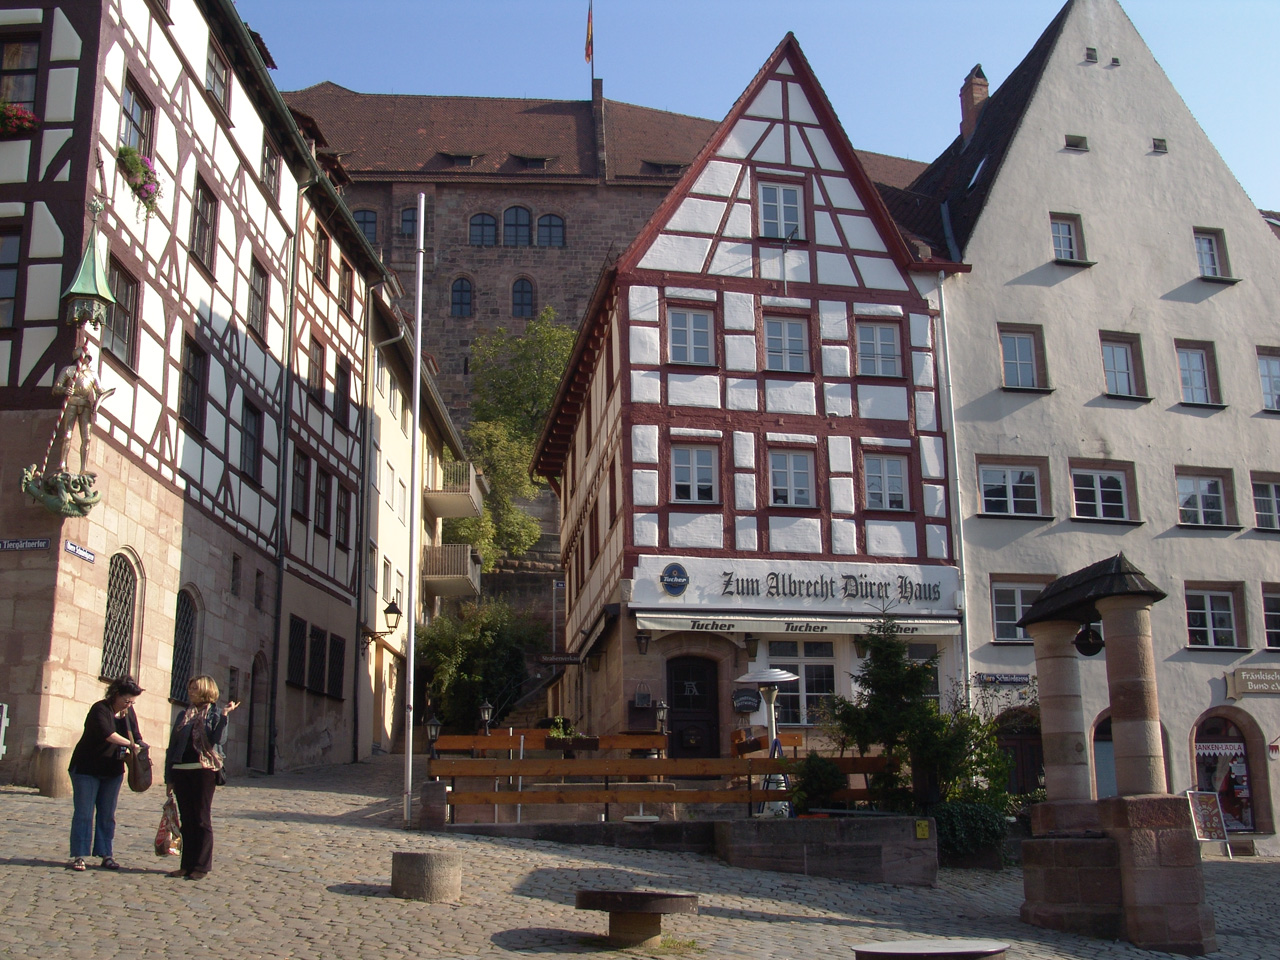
[
  {"x": 382, "y": 890},
  {"x": 550, "y": 940}
]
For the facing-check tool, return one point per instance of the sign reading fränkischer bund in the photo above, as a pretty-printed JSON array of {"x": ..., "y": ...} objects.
[{"x": 1252, "y": 680}]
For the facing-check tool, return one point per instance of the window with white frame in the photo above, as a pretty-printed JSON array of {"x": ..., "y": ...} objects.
[
  {"x": 399, "y": 594},
  {"x": 1269, "y": 375},
  {"x": 1211, "y": 255},
  {"x": 693, "y": 475},
  {"x": 786, "y": 345},
  {"x": 780, "y": 211},
  {"x": 380, "y": 370},
  {"x": 878, "y": 354},
  {"x": 1211, "y": 618},
  {"x": 402, "y": 501},
  {"x": 1009, "y": 604},
  {"x": 689, "y": 336},
  {"x": 1068, "y": 242},
  {"x": 886, "y": 482},
  {"x": 813, "y": 661},
  {"x": 1011, "y": 490},
  {"x": 1271, "y": 614},
  {"x": 1266, "y": 504},
  {"x": 791, "y": 478},
  {"x": 1202, "y": 500},
  {"x": 393, "y": 394},
  {"x": 391, "y": 485},
  {"x": 1197, "y": 372},
  {"x": 1020, "y": 350},
  {"x": 217, "y": 76},
  {"x": 1122, "y": 364},
  {"x": 386, "y": 578},
  {"x": 1101, "y": 494}
]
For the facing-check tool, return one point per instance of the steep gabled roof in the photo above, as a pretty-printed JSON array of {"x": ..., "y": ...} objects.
[{"x": 962, "y": 176}]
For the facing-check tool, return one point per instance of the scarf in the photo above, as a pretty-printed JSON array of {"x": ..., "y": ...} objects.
[{"x": 209, "y": 758}]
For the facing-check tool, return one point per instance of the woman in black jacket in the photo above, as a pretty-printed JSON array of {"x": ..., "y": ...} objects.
[
  {"x": 97, "y": 770},
  {"x": 192, "y": 768}
]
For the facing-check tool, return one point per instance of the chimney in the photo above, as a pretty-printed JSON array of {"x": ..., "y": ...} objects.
[
  {"x": 973, "y": 94},
  {"x": 597, "y": 117}
]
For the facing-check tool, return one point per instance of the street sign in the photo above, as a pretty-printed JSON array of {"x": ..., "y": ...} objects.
[{"x": 553, "y": 658}]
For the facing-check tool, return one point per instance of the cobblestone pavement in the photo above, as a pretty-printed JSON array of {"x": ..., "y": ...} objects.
[{"x": 302, "y": 868}]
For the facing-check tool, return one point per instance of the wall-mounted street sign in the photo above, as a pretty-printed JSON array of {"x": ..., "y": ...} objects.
[
  {"x": 559, "y": 585},
  {"x": 34, "y": 543},
  {"x": 1017, "y": 679},
  {"x": 78, "y": 551},
  {"x": 554, "y": 658}
]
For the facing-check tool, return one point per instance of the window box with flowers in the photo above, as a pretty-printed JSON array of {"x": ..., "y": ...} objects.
[
  {"x": 140, "y": 174},
  {"x": 15, "y": 119}
]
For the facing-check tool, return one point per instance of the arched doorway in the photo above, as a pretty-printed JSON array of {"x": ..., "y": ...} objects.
[
  {"x": 694, "y": 716},
  {"x": 1222, "y": 766},
  {"x": 1104, "y": 761},
  {"x": 1018, "y": 737},
  {"x": 259, "y": 714}
]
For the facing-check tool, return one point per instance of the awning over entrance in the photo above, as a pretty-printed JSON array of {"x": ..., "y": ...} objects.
[{"x": 752, "y": 622}]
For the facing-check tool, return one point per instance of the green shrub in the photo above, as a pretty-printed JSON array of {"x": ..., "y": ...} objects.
[
  {"x": 965, "y": 828},
  {"x": 814, "y": 779}
]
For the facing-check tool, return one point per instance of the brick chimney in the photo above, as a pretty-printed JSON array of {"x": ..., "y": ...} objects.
[
  {"x": 973, "y": 94},
  {"x": 597, "y": 118}
]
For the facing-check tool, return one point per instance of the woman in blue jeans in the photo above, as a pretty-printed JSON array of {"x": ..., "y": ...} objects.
[{"x": 97, "y": 770}]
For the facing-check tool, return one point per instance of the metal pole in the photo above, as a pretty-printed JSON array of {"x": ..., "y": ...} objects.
[{"x": 415, "y": 495}]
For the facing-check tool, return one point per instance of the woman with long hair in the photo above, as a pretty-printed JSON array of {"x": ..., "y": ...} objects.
[
  {"x": 97, "y": 770},
  {"x": 193, "y": 768}
]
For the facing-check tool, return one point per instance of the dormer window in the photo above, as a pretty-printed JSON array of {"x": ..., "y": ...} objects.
[
  {"x": 462, "y": 159},
  {"x": 1076, "y": 142},
  {"x": 666, "y": 168},
  {"x": 533, "y": 163}
]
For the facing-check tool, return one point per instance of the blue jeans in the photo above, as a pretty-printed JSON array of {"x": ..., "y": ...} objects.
[{"x": 93, "y": 824}]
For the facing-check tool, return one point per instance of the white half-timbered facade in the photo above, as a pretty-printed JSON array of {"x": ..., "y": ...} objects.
[{"x": 748, "y": 445}]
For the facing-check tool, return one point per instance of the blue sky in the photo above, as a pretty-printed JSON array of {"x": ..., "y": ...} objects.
[{"x": 892, "y": 68}]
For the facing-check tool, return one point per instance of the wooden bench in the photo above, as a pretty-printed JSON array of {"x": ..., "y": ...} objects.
[
  {"x": 931, "y": 950},
  {"x": 635, "y": 916}
]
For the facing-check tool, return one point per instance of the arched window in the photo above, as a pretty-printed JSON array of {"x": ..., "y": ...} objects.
[
  {"x": 516, "y": 227},
  {"x": 409, "y": 222},
  {"x": 461, "y": 305},
  {"x": 117, "y": 631},
  {"x": 367, "y": 221},
  {"x": 184, "y": 645},
  {"x": 484, "y": 230},
  {"x": 522, "y": 298},
  {"x": 551, "y": 231}
]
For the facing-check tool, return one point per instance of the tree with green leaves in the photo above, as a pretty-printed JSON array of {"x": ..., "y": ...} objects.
[
  {"x": 475, "y": 655},
  {"x": 515, "y": 378}
]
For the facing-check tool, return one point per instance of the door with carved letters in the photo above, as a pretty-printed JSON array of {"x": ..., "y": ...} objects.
[{"x": 694, "y": 716}]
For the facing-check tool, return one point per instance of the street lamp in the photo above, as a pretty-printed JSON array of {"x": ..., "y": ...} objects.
[
  {"x": 88, "y": 297},
  {"x": 433, "y": 733},
  {"x": 660, "y": 710},
  {"x": 768, "y": 679},
  {"x": 486, "y": 714},
  {"x": 392, "y": 616}
]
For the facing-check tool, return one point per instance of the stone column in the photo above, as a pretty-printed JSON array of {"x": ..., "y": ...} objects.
[
  {"x": 1066, "y": 757},
  {"x": 1131, "y": 682}
]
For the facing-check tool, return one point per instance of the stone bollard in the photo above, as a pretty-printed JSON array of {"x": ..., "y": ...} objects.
[
  {"x": 49, "y": 770},
  {"x": 430, "y": 875},
  {"x": 434, "y": 811}
]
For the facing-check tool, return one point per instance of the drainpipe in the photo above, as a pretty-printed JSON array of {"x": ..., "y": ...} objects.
[
  {"x": 949, "y": 424},
  {"x": 284, "y": 472}
]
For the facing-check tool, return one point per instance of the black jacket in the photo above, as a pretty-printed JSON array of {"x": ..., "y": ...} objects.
[
  {"x": 94, "y": 755},
  {"x": 215, "y": 731}
]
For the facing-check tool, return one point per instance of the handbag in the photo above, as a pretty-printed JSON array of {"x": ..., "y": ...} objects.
[
  {"x": 169, "y": 835},
  {"x": 137, "y": 761}
]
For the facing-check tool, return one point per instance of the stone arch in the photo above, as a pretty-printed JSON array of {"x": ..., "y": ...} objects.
[
  {"x": 259, "y": 724},
  {"x": 1103, "y": 768},
  {"x": 1255, "y": 744},
  {"x": 1018, "y": 736},
  {"x": 715, "y": 647},
  {"x": 122, "y": 627},
  {"x": 188, "y": 637}
]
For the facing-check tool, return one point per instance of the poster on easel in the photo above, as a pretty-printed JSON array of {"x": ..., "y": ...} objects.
[{"x": 1206, "y": 815}]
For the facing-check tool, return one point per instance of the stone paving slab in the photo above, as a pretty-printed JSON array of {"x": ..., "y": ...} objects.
[{"x": 302, "y": 868}]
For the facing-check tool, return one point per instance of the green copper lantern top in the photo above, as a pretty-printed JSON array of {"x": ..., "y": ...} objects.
[{"x": 91, "y": 277}]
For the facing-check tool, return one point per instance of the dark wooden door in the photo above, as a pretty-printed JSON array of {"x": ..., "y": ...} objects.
[{"x": 693, "y": 720}]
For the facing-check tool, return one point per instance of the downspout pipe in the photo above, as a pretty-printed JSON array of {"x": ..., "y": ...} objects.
[{"x": 953, "y": 454}]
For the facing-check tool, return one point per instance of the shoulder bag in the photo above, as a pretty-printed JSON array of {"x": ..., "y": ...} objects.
[{"x": 137, "y": 760}]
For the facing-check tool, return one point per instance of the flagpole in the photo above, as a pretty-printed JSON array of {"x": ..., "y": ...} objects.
[{"x": 590, "y": 50}]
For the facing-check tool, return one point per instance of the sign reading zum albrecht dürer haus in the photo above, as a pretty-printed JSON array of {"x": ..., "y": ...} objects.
[{"x": 791, "y": 596}]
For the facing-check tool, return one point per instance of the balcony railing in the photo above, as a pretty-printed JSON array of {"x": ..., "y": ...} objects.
[
  {"x": 456, "y": 493},
  {"x": 451, "y": 570}
]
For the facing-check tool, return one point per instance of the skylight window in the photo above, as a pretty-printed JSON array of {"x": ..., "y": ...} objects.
[{"x": 977, "y": 173}]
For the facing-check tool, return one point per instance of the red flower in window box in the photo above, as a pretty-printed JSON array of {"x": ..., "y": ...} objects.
[
  {"x": 140, "y": 174},
  {"x": 15, "y": 119}
]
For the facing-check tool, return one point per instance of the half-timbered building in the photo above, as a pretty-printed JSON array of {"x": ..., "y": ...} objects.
[
  {"x": 748, "y": 445},
  {"x": 228, "y": 449}
]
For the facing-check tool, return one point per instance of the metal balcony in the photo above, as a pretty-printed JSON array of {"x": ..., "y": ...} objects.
[
  {"x": 451, "y": 570},
  {"x": 455, "y": 493}
]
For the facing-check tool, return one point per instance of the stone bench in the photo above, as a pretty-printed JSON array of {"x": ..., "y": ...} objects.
[
  {"x": 635, "y": 916},
  {"x": 931, "y": 950},
  {"x": 430, "y": 875}
]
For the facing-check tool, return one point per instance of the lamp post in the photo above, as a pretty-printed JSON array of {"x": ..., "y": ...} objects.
[
  {"x": 392, "y": 616},
  {"x": 768, "y": 679},
  {"x": 660, "y": 709},
  {"x": 486, "y": 714}
]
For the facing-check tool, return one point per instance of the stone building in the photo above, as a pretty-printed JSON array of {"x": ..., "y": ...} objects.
[{"x": 1115, "y": 363}]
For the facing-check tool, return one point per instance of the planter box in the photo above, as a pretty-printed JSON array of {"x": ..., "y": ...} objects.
[{"x": 572, "y": 743}]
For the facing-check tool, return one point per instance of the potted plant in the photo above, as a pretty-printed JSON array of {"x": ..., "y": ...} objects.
[
  {"x": 140, "y": 174},
  {"x": 562, "y": 736},
  {"x": 813, "y": 783},
  {"x": 16, "y": 119}
]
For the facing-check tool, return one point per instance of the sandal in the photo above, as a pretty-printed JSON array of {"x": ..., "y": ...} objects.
[
  {"x": 109, "y": 863},
  {"x": 77, "y": 864}
]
